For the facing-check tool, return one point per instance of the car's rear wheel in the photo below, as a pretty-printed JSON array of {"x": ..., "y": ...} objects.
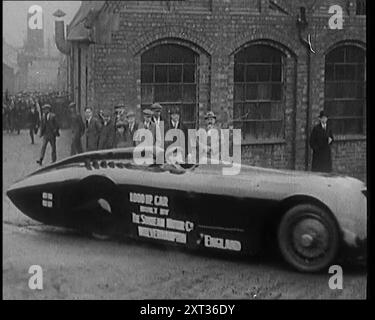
[{"x": 308, "y": 238}]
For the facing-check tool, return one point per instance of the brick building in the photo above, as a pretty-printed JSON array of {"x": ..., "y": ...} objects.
[{"x": 247, "y": 60}]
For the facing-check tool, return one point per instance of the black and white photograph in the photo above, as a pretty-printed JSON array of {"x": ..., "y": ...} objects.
[{"x": 185, "y": 150}]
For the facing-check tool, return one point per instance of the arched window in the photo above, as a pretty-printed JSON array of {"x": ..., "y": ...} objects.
[
  {"x": 169, "y": 77},
  {"x": 258, "y": 93},
  {"x": 345, "y": 89}
]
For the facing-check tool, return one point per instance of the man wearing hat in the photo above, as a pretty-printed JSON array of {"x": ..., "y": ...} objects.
[
  {"x": 119, "y": 113},
  {"x": 49, "y": 130},
  {"x": 156, "y": 108},
  {"x": 320, "y": 141},
  {"x": 120, "y": 135},
  {"x": 108, "y": 132},
  {"x": 175, "y": 122},
  {"x": 32, "y": 122},
  {"x": 131, "y": 128},
  {"x": 93, "y": 127},
  {"x": 78, "y": 129},
  {"x": 210, "y": 118},
  {"x": 212, "y": 132},
  {"x": 146, "y": 124}
]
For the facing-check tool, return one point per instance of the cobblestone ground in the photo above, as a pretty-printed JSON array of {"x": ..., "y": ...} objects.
[{"x": 77, "y": 267}]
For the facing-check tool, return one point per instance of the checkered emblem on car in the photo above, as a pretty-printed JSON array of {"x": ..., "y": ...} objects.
[{"x": 47, "y": 200}]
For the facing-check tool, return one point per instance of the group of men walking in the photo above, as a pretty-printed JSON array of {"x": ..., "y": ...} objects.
[{"x": 17, "y": 107}]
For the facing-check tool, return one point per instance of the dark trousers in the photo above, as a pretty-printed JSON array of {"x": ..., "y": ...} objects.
[
  {"x": 52, "y": 142},
  {"x": 31, "y": 132},
  {"x": 76, "y": 146}
]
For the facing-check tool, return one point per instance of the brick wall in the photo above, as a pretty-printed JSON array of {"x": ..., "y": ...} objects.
[{"x": 216, "y": 30}]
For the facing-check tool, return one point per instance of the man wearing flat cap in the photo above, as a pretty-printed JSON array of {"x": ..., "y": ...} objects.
[
  {"x": 156, "y": 108},
  {"x": 213, "y": 147},
  {"x": 33, "y": 122},
  {"x": 131, "y": 128},
  {"x": 78, "y": 129},
  {"x": 320, "y": 141},
  {"x": 175, "y": 122},
  {"x": 93, "y": 127},
  {"x": 119, "y": 113},
  {"x": 49, "y": 130},
  {"x": 108, "y": 132},
  {"x": 146, "y": 124}
]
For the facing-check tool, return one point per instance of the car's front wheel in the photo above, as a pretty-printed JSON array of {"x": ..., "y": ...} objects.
[{"x": 308, "y": 238}]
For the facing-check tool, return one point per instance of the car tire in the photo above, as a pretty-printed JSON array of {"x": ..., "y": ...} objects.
[
  {"x": 308, "y": 238},
  {"x": 101, "y": 214}
]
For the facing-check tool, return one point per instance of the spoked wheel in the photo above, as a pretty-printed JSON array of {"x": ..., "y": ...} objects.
[{"x": 308, "y": 238}]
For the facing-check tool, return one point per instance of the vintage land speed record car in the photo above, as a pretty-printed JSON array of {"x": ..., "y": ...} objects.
[{"x": 311, "y": 218}]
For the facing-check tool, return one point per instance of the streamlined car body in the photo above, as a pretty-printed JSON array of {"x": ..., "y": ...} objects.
[{"x": 311, "y": 218}]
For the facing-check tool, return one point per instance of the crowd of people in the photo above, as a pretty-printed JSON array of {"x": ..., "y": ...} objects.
[
  {"x": 17, "y": 107},
  {"x": 107, "y": 130}
]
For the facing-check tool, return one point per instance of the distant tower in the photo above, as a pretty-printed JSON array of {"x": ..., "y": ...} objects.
[{"x": 35, "y": 30}]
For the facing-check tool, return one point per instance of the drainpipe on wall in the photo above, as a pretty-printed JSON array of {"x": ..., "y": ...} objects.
[{"x": 302, "y": 25}]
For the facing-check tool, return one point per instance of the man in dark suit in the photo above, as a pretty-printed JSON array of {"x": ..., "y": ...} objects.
[
  {"x": 146, "y": 124},
  {"x": 32, "y": 122},
  {"x": 156, "y": 108},
  {"x": 119, "y": 113},
  {"x": 108, "y": 132},
  {"x": 320, "y": 141},
  {"x": 131, "y": 128},
  {"x": 49, "y": 130},
  {"x": 93, "y": 127},
  {"x": 78, "y": 129},
  {"x": 175, "y": 122}
]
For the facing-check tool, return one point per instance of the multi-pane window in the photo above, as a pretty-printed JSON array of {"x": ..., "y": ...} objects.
[
  {"x": 258, "y": 93},
  {"x": 345, "y": 90},
  {"x": 361, "y": 7},
  {"x": 169, "y": 77}
]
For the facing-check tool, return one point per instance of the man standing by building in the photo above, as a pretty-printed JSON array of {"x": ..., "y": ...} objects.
[
  {"x": 108, "y": 132},
  {"x": 157, "y": 119},
  {"x": 320, "y": 141},
  {"x": 131, "y": 128},
  {"x": 175, "y": 122},
  {"x": 119, "y": 113},
  {"x": 156, "y": 108},
  {"x": 93, "y": 127},
  {"x": 78, "y": 129},
  {"x": 146, "y": 124},
  {"x": 32, "y": 122},
  {"x": 49, "y": 130}
]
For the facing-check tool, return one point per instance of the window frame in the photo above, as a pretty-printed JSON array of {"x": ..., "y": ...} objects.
[
  {"x": 278, "y": 103},
  {"x": 355, "y": 81},
  {"x": 181, "y": 102}
]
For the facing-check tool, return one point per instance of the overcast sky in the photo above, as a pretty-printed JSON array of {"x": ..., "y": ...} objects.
[{"x": 15, "y": 16}]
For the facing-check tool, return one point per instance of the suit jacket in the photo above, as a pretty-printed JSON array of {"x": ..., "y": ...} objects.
[
  {"x": 154, "y": 120},
  {"x": 93, "y": 129},
  {"x": 321, "y": 160},
  {"x": 152, "y": 128},
  {"x": 49, "y": 127},
  {"x": 107, "y": 136},
  {"x": 33, "y": 119},
  {"x": 183, "y": 128},
  {"x": 129, "y": 134},
  {"x": 77, "y": 126}
]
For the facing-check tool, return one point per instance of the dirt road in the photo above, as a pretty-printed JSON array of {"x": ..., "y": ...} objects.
[{"x": 77, "y": 267}]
